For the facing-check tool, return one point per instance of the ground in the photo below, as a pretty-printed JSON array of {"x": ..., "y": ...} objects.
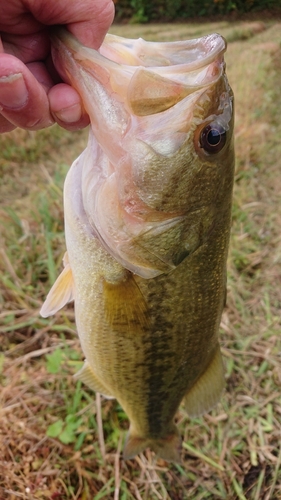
[{"x": 57, "y": 440}]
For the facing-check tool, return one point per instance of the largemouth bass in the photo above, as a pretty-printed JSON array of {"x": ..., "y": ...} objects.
[{"x": 147, "y": 220}]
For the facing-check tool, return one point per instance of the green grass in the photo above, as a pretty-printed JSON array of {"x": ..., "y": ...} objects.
[{"x": 52, "y": 442}]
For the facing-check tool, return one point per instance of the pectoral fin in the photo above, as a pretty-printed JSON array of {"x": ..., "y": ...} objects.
[
  {"x": 126, "y": 307},
  {"x": 87, "y": 376},
  {"x": 206, "y": 392},
  {"x": 61, "y": 292}
]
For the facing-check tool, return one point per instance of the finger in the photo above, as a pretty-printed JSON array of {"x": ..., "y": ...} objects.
[
  {"x": 5, "y": 125},
  {"x": 91, "y": 30},
  {"x": 66, "y": 107},
  {"x": 23, "y": 100},
  {"x": 27, "y": 48},
  {"x": 89, "y": 20}
]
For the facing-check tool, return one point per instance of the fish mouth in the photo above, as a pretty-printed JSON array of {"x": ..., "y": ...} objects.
[{"x": 193, "y": 63}]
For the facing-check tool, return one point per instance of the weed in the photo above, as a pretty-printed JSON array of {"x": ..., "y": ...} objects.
[{"x": 52, "y": 445}]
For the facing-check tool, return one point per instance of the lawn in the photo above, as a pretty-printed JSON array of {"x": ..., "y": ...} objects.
[{"x": 58, "y": 440}]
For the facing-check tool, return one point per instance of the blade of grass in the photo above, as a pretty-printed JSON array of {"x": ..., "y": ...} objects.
[
  {"x": 275, "y": 477},
  {"x": 50, "y": 260},
  {"x": 259, "y": 485},
  {"x": 201, "y": 455},
  {"x": 100, "y": 426},
  {"x": 238, "y": 490}
]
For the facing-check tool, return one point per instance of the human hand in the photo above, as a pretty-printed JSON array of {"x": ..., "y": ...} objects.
[{"x": 31, "y": 93}]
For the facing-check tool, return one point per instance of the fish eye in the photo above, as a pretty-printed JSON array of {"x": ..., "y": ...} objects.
[{"x": 213, "y": 138}]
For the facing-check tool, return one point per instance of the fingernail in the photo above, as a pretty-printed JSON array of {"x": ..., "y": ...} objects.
[
  {"x": 71, "y": 114},
  {"x": 13, "y": 91}
]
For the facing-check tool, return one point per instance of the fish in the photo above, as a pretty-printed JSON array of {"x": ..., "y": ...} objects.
[{"x": 147, "y": 210}]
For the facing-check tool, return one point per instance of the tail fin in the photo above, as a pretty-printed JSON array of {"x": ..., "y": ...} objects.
[{"x": 167, "y": 448}]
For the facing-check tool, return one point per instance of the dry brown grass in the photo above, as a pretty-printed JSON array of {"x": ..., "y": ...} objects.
[{"x": 233, "y": 452}]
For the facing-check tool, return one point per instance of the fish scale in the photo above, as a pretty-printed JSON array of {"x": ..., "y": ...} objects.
[{"x": 147, "y": 221}]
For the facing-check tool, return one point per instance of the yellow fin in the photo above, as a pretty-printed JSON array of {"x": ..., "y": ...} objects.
[
  {"x": 87, "y": 376},
  {"x": 167, "y": 448},
  {"x": 125, "y": 306},
  {"x": 206, "y": 392},
  {"x": 149, "y": 93},
  {"x": 61, "y": 292}
]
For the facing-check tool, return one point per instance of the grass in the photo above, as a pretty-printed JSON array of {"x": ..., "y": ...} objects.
[{"x": 59, "y": 442}]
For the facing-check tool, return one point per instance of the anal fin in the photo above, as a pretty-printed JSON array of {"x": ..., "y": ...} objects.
[
  {"x": 206, "y": 392},
  {"x": 87, "y": 376}
]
